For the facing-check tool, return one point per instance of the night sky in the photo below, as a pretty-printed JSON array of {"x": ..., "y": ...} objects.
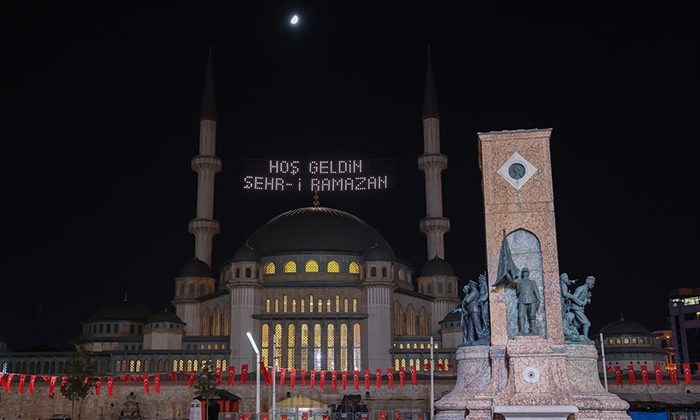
[{"x": 100, "y": 105}]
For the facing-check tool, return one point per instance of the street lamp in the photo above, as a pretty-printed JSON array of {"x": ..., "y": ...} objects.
[
  {"x": 257, "y": 375},
  {"x": 432, "y": 383}
]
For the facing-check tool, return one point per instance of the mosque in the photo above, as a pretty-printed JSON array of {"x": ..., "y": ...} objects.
[{"x": 336, "y": 300}]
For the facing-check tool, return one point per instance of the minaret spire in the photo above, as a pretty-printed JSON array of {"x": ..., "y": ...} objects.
[
  {"x": 207, "y": 165},
  {"x": 432, "y": 162}
]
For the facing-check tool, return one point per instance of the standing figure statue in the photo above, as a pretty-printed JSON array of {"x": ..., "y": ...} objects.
[
  {"x": 484, "y": 301},
  {"x": 472, "y": 318},
  {"x": 528, "y": 303},
  {"x": 580, "y": 298},
  {"x": 568, "y": 318}
]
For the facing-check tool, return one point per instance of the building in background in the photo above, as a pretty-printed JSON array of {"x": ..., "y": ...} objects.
[{"x": 684, "y": 315}]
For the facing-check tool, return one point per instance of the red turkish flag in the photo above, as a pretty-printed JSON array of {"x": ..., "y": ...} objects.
[
  {"x": 402, "y": 376},
  {"x": 366, "y": 378},
  {"x": 414, "y": 375},
  {"x": 98, "y": 386},
  {"x": 156, "y": 381},
  {"x": 231, "y": 375},
  {"x": 303, "y": 377},
  {"x": 334, "y": 380},
  {"x": 674, "y": 376},
  {"x": 426, "y": 366},
  {"x": 191, "y": 380},
  {"x": 687, "y": 377},
  {"x": 283, "y": 374},
  {"x": 22, "y": 378},
  {"x": 618, "y": 375},
  {"x": 345, "y": 379},
  {"x": 266, "y": 373},
  {"x": 64, "y": 381},
  {"x": 8, "y": 382},
  {"x": 630, "y": 374},
  {"x": 657, "y": 374},
  {"x": 146, "y": 384},
  {"x": 356, "y": 379},
  {"x": 312, "y": 379},
  {"x": 378, "y": 379},
  {"x": 390, "y": 377},
  {"x": 52, "y": 385},
  {"x": 32, "y": 380},
  {"x": 219, "y": 374},
  {"x": 2, "y": 381},
  {"x": 645, "y": 374},
  {"x": 110, "y": 385},
  {"x": 322, "y": 383},
  {"x": 173, "y": 376},
  {"x": 292, "y": 377},
  {"x": 244, "y": 374}
]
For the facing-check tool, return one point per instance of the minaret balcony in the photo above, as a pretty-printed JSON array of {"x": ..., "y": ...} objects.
[
  {"x": 204, "y": 163},
  {"x": 428, "y": 161}
]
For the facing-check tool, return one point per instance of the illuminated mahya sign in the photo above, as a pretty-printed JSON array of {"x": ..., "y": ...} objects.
[{"x": 316, "y": 175}]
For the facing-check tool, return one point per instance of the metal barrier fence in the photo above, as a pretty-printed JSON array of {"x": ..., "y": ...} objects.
[{"x": 325, "y": 414}]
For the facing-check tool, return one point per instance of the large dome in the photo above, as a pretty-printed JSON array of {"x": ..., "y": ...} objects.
[
  {"x": 624, "y": 327},
  {"x": 316, "y": 229}
]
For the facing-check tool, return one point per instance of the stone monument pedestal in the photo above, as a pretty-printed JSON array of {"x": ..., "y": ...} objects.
[{"x": 472, "y": 389}]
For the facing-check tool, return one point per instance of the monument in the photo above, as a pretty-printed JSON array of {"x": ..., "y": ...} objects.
[
  {"x": 131, "y": 409},
  {"x": 526, "y": 368}
]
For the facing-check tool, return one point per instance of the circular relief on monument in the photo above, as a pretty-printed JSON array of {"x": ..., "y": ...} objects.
[
  {"x": 516, "y": 170},
  {"x": 531, "y": 374}
]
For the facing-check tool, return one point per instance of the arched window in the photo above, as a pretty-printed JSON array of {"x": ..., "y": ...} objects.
[
  {"x": 317, "y": 346},
  {"x": 330, "y": 347},
  {"x": 291, "y": 343},
  {"x": 238, "y": 272},
  {"x": 346, "y": 307},
  {"x": 202, "y": 290},
  {"x": 278, "y": 344},
  {"x": 397, "y": 364},
  {"x": 181, "y": 291},
  {"x": 277, "y": 305},
  {"x": 190, "y": 289},
  {"x": 343, "y": 346},
  {"x": 248, "y": 273},
  {"x": 302, "y": 307},
  {"x": 284, "y": 304},
  {"x": 400, "y": 274},
  {"x": 195, "y": 365},
  {"x": 354, "y": 268},
  {"x": 319, "y": 307},
  {"x": 337, "y": 303},
  {"x": 328, "y": 306},
  {"x": 304, "y": 346},
  {"x": 294, "y": 306},
  {"x": 216, "y": 328},
  {"x": 132, "y": 366},
  {"x": 264, "y": 343},
  {"x": 311, "y": 266},
  {"x": 205, "y": 323},
  {"x": 311, "y": 303},
  {"x": 267, "y": 305},
  {"x": 354, "y": 305},
  {"x": 384, "y": 272},
  {"x": 270, "y": 268},
  {"x": 397, "y": 319},
  {"x": 290, "y": 267},
  {"x": 356, "y": 347},
  {"x": 333, "y": 267},
  {"x": 373, "y": 272}
]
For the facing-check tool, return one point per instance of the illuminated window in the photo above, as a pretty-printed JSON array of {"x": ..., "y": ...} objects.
[
  {"x": 304, "y": 346},
  {"x": 422, "y": 346},
  {"x": 320, "y": 305},
  {"x": 264, "y": 343},
  {"x": 397, "y": 364},
  {"x": 426, "y": 363},
  {"x": 195, "y": 365},
  {"x": 337, "y": 303},
  {"x": 330, "y": 347},
  {"x": 418, "y": 364},
  {"x": 401, "y": 346},
  {"x": 403, "y": 364},
  {"x": 174, "y": 365},
  {"x": 267, "y": 305},
  {"x": 611, "y": 341},
  {"x": 181, "y": 364},
  {"x": 634, "y": 340},
  {"x": 138, "y": 366},
  {"x": 218, "y": 363},
  {"x": 291, "y": 343},
  {"x": 270, "y": 268},
  {"x": 346, "y": 307},
  {"x": 400, "y": 274},
  {"x": 311, "y": 303},
  {"x": 354, "y": 268},
  {"x": 290, "y": 267},
  {"x": 294, "y": 306},
  {"x": 277, "y": 305},
  {"x": 302, "y": 309},
  {"x": 356, "y": 344},
  {"x": 343, "y": 346},
  {"x": 189, "y": 365},
  {"x": 284, "y": 304},
  {"x": 328, "y": 305},
  {"x": 354, "y": 305},
  {"x": 277, "y": 355},
  {"x": 436, "y": 345},
  {"x": 317, "y": 346},
  {"x": 333, "y": 267},
  {"x": 223, "y": 364},
  {"x": 311, "y": 266}
]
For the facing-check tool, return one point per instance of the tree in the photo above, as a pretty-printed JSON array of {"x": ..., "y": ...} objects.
[
  {"x": 79, "y": 372},
  {"x": 205, "y": 386}
]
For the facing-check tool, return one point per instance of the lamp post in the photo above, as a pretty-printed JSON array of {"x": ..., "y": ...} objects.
[
  {"x": 274, "y": 376},
  {"x": 602, "y": 353},
  {"x": 257, "y": 375},
  {"x": 432, "y": 384}
]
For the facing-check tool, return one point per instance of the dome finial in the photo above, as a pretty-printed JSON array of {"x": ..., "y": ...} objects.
[{"x": 316, "y": 203}]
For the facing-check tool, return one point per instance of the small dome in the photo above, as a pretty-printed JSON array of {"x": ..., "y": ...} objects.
[
  {"x": 245, "y": 253},
  {"x": 452, "y": 317},
  {"x": 122, "y": 311},
  {"x": 377, "y": 253},
  {"x": 165, "y": 316},
  {"x": 437, "y": 267},
  {"x": 624, "y": 327},
  {"x": 194, "y": 268}
]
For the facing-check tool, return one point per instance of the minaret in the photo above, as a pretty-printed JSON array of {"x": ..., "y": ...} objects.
[
  {"x": 432, "y": 162},
  {"x": 207, "y": 165}
]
